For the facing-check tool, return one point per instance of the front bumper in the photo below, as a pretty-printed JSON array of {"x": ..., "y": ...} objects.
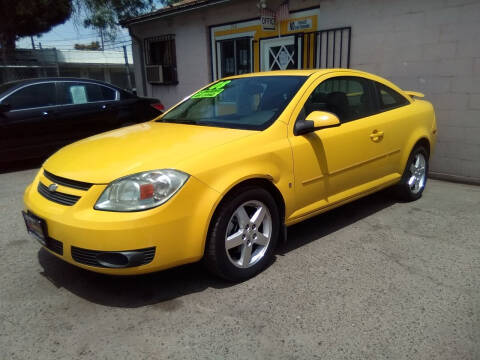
[{"x": 176, "y": 230}]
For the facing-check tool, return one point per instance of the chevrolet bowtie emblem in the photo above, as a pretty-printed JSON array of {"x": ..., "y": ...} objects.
[{"x": 52, "y": 187}]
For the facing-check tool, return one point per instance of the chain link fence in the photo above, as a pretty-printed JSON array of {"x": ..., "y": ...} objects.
[{"x": 97, "y": 65}]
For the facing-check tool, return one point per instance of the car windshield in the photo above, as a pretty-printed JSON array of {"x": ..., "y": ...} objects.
[
  {"x": 7, "y": 86},
  {"x": 243, "y": 103}
]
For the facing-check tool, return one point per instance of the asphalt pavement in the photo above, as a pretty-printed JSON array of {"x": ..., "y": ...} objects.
[{"x": 375, "y": 279}]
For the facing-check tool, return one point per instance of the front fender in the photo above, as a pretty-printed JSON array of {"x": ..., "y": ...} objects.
[{"x": 265, "y": 155}]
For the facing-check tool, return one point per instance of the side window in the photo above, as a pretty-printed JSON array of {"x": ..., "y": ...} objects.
[
  {"x": 347, "y": 97},
  {"x": 389, "y": 98},
  {"x": 76, "y": 93},
  {"x": 108, "y": 94},
  {"x": 70, "y": 93},
  {"x": 99, "y": 93},
  {"x": 33, "y": 96}
]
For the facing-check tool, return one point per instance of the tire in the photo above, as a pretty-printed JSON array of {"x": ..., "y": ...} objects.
[
  {"x": 237, "y": 221},
  {"x": 414, "y": 178}
]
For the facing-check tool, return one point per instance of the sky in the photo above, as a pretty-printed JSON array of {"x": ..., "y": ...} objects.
[{"x": 65, "y": 36}]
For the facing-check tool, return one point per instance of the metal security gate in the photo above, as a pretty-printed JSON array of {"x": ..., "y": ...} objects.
[
  {"x": 332, "y": 47},
  {"x": 280, "y": 53}
]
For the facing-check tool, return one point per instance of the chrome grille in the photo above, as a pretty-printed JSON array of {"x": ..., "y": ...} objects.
[{"x": 56, "y": 196}]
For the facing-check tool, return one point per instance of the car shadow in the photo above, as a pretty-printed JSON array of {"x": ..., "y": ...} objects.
[
  {"x": 329, "y": 222},
  {"x": 163, "y": 288},
  {"x": 128, "y": 291}
]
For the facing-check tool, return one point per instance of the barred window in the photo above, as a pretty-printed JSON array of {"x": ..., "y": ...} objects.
[{"x": 161, "y": 62}]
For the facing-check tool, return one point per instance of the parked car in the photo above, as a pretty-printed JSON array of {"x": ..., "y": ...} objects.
[
  {"x": 220, "y": 175},
  {"x": 39, "y": 116}
]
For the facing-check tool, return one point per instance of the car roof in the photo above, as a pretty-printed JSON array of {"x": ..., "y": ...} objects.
[
  {"x": 304, "y": 72},
  {"x": 309, "y": 72},
  {"x": 22, "y": 82}
]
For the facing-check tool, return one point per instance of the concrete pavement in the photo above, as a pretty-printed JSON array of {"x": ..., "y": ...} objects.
[{"x": 375, "y": 279}]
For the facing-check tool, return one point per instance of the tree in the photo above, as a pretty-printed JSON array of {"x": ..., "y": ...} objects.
[
  {"x": 105, "y": 15},
  {"x": 94, "y": 45},
  {"x": 21, "y": 18}
]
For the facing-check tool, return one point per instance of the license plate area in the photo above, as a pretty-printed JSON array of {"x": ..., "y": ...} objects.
[{"x": 36, "y": 227}]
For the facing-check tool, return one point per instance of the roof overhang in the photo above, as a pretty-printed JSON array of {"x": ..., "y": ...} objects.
[{"x": 171, "y": 11}]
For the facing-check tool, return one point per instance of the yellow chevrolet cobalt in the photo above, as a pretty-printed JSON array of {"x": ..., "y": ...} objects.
[{"x": 220, "y": 175}]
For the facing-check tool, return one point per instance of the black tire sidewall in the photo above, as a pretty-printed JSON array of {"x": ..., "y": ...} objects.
[{"x": 224, "y": 267}]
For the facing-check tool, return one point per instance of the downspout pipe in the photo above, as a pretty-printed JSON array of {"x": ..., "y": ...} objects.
[{"x": 142, "y": 59}]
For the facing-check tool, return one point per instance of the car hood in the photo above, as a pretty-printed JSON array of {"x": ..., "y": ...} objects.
[{"x": 103, "y": 158}]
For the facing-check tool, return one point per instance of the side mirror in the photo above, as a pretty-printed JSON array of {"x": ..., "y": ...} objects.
[
  {"x": 5, "y": 108},
  {"x": 316, "y": 120}
]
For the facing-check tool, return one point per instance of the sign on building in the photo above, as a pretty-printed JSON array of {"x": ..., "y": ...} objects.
[
  {"x": 268, "y": 22},
  {"x": 300, "y": 24}
]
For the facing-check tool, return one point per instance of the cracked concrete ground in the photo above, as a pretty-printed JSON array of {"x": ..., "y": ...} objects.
[{"x": 374, "y": 279}]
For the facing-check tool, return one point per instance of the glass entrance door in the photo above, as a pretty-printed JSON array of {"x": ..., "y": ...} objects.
[
  {"x": 280, "y": 53},
  {"x": 234, "y": 57}
]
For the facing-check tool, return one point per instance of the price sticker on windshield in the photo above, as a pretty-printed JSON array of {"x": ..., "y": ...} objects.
[{"x": 212, "y": 91}]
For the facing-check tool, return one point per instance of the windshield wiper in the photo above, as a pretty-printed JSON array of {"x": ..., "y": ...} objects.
[
  {"x": 178, "y": 121},
  {"x": 184, "y": 121}
]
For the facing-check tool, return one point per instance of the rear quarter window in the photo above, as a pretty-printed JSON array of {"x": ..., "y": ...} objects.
[{"x": 389, "y": 98}]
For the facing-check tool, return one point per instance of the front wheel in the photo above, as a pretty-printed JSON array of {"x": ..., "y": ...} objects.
[
  {"x": 243, "y": 234},
  {"x": 414, "y": 177}
]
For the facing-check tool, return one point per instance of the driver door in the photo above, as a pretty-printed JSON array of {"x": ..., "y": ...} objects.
[
  {"x": 335, "y": 164},
  {"x": 29, "y": 129}
]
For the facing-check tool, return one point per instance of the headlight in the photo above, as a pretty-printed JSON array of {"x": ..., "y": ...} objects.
[{"x": 141, "y": 191}]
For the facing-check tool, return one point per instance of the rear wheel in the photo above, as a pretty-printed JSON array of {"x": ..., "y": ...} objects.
[
  {"x": 414, "y": 177},
  {"x": 243, "y": 234}
]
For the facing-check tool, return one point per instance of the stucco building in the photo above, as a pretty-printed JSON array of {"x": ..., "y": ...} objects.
[{"x": 429, "y": 46}]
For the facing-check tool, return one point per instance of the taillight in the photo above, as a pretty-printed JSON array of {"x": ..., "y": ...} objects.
[{"x": 158, "y": 106}]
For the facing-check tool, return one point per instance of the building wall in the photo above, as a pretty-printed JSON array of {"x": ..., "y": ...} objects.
[{"x": 430, "y": 46}]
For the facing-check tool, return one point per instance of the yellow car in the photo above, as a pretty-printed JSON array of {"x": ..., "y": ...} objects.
[{"x": 220, "y": 175}]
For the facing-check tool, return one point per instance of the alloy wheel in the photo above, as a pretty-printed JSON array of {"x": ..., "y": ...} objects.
[
  {"x": 248, "y": 234},
  {"x": 416, "y": 181}
]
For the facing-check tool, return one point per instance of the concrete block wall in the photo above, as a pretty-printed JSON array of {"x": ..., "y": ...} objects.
[{"x": 430, "y": 46}]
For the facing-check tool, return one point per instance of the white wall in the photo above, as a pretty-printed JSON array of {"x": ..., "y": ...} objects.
[{"x": 430, "y": 46}]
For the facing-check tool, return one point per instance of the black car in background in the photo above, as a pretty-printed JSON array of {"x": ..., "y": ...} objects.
[{"x": 39, "y": 116}]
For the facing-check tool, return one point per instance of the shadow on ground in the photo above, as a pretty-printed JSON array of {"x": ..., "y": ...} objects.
[{"x": 162, "y": 288}]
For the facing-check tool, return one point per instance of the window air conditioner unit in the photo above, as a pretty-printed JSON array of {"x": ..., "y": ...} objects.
[{"x": 154, "y": 74}]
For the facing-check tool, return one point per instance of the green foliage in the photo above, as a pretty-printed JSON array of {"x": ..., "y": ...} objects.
[
  {"x": 94, "y": 45},
  {"x": 168, "y": 2},
  {"x": 105, "y": 15},
  {"x": 20, "y": 18}
]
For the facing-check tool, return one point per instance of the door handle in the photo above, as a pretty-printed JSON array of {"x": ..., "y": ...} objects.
[{"x": 376, "y": 135}]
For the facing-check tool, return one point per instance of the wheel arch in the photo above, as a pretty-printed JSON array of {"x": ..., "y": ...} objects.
[
  {"x": 420, "y": 139},
  {"x": 263, "y": 181}
]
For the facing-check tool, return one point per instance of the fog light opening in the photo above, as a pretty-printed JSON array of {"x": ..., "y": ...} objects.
[{"x": 113, "y": 259}]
